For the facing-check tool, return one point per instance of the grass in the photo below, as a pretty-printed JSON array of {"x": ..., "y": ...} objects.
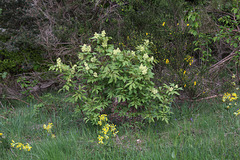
[{"x": 208, "y": 131}]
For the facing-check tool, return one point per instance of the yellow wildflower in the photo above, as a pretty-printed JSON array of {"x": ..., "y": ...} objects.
[
  {"x": 184, "y": 85},
  {"x": 99, "y": 123},
  {"x": 163, "y": 24},
  {"x": 195, "y": 83},
  {"x": 1, "y": 134},
  {"x": 103, "y": 117},
  {"x": 100, "y": 139},
  {"x": 187, "y": 24},
  {"x": 48, "y": 127},
  {"x": 237, "y": 112},
  {"x": 146, "y": 34},
  {"x": 167, "y": 61}
]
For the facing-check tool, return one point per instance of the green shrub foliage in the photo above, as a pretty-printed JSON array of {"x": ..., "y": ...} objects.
[{"x": 107, "y": 79}]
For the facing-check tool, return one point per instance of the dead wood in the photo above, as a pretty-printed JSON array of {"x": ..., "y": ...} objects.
[{"x": 217, "y": 66}]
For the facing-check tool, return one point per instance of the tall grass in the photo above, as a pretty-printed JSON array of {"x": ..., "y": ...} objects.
[{"x": 205, "y": 131}]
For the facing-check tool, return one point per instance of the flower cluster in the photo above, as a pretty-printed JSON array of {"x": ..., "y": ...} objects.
[
  {"x": 48, "y": 128},
  {"x": 107, "y": 129},
  {"x": 21, "y": 146},
  {"x": 189, "y": 59},
  {"x": 237, "y": 112},
  {"x": 167, "y": 61},
  {"x": 1, "y": 136},
  {"x": 229, "y": 97},
  {"x": 143, "y": 69},
  {"x": 86, "y": 48}
]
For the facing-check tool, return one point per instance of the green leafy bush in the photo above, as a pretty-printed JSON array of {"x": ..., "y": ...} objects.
[{"x": 106, "y": 79}]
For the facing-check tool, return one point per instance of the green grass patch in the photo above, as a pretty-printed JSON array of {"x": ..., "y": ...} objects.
[{"x": 203, "y": 130}]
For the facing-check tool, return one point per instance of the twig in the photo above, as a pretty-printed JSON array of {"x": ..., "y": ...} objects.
[
  {"x": 206, "y": 98},
  {"x": 216, "y": 66},
  {"x": 13, "y": 152},
  {"x": 17, "y": 99}
]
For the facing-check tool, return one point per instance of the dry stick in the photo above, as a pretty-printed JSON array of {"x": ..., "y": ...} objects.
[
  {"x": 18, "y": 99},
  {"x": 216, "y": 66},
  {"x": 210, "y": 97},
  {"x": 206, "y": 98},
  {"x": 1, "y": 104},
  {"x": 13, "y": 152}
]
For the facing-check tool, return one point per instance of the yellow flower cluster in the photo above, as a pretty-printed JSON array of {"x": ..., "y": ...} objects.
[
  {"x": 167, "y": 61},
  {"x": 102, "y": 118},
  {"x": 105, "y": 129},
  {"x": 1, "y": 135},
  {"x": 230, "y": 97},
  {"x": 237, "y": 112},
  {"x": 49, "y": 129},
  {"x": 189, "y": 59},
  {"x": 21, "y": 146}
]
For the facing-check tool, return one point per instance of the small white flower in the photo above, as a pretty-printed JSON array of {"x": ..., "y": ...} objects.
[
  {"x": 73, "y": 68},
  {"x": 86, "y": 48},
  {"x": 133, "y": 53},
  {"x": 105, "y": 42},
  {"x": 146, "y": 42},
  {"x": 145, "y": 56},
  {"x": 116, "y": 51},
  {"x": 59, "y": 61},
  {"x": 86, "y": 66},
  {"x": 154, "y": 91},
  {"x": 93, "y": 59},
  {"x": 80, "y": 56},
  {"x": 140, "y": 48},
  {"x": 96, "y": 35},
  {"x": 95, "y": 74},
  {"x": 151, "y": 59},
  {"x": 103, "y": 33},
  {"x": 143, "y": 69},
  {"x": 171, "y": 89}
]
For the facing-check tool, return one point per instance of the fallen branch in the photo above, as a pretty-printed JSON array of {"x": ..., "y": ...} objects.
[
  {"x": 221, "y": 63},
  {"x": 206, "y": 98}
]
